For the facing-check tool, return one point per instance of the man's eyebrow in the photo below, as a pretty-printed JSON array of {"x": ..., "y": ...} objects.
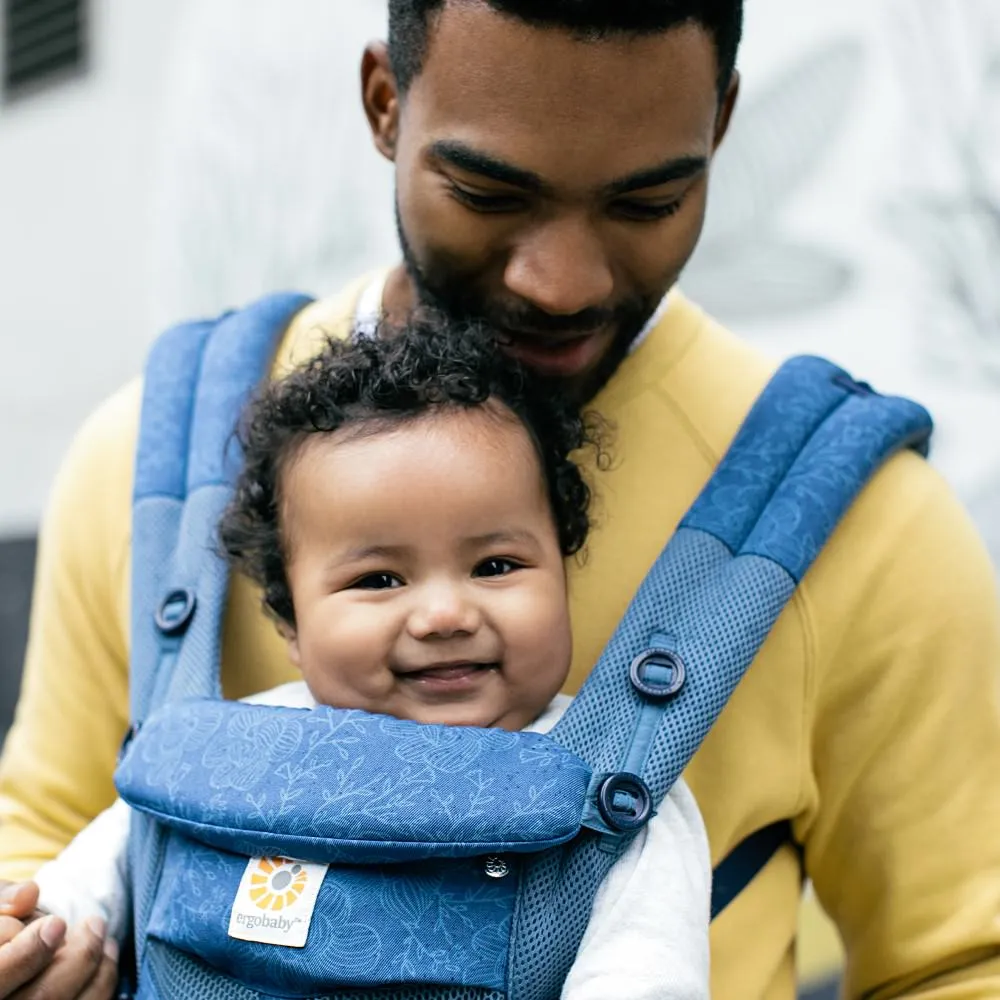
[
  {"x": 678, "y": 169},
  {"x": 458, "y": 154},
  {"x": 475, "y": 161}
]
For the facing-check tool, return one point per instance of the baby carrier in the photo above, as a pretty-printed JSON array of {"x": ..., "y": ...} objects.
[{"x": 327, "y": 853}]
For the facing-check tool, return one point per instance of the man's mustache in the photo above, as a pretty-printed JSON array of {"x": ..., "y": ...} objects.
[{"x": 535, "y": 321}]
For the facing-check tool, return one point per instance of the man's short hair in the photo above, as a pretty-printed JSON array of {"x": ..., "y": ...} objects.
[{"x": 410, "y": 25}]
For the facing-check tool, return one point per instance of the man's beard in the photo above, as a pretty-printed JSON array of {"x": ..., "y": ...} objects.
[{"x": 446, "y": 290}]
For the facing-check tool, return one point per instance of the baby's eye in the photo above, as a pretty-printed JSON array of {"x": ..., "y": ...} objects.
[
  {"x": 496, "y": 566},
  {"x": 377, "y": 581}
]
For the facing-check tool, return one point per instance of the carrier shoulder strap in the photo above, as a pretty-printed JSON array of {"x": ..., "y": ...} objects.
[
  {"x": 805, "y": 450},
  {"x": 197, "y": 379}
]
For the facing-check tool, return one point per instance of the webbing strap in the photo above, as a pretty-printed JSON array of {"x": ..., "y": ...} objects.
[{"x": 746, "y": 861}]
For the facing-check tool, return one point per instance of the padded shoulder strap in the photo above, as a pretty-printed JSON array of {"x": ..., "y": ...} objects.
[
  {"x": 197, "y": 379},
  {"x": 804, "y": 452},
  {"x": 808, "y": 446},
  {"x": 171, "y": 378}
]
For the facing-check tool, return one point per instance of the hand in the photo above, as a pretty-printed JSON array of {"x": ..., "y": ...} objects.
[{"x": 42, "y": 961}]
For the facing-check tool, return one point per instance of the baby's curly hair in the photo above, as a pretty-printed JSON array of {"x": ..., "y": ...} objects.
[{"x": 400, "y": 374}]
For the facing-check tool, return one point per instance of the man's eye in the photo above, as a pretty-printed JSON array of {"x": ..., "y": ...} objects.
[
  {"x": 496, "y": 567},
  {"x": 485, "y": 202},
  {"x": 645, "y": 211},
  {"x": 377, "y": 581}
]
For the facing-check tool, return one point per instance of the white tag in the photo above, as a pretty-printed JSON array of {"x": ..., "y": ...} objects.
[{"x": 275, "y": 901}]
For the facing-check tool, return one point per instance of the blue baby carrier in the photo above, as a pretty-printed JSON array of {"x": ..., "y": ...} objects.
[{"x": 462, "y": 863}]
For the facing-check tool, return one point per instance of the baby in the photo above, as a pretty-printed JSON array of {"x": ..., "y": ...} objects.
[{"x": 406, "y": 505}]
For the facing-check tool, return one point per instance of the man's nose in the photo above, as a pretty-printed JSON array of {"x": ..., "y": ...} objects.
[
  {"x": 444, "y": 610},
  {"x": 561, "y": 267}
]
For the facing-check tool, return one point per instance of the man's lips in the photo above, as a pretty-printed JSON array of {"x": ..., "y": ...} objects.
[{"x": 560, "y": 355}]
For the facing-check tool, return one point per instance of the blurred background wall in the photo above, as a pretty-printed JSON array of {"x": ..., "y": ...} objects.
[
  {"x": 79, "y": 112},
  {"x": 207, "y": 151},
  {"x": 76, "y": 174}
]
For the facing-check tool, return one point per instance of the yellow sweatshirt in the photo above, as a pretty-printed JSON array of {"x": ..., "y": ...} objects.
[{"x": 871, "y": 717}]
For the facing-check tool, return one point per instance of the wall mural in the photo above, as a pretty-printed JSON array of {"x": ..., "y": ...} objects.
[
  {"x": 952, "y": 226},
  {"x": 931, "y": 68},
  {"x": 949, "y": 60},
  {"x": 747, "y": 267}
]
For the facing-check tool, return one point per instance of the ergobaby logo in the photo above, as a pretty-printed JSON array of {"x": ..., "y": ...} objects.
[
  {"x": 251, "y": 922},
  {"x": 275, "y": 901},
  {"x": 277, "y": 882}
]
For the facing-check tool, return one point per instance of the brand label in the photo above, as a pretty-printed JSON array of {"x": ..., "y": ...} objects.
[{"x": 275, "y": 901}]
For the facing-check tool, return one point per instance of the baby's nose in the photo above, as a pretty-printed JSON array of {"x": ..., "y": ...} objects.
[{"x": 443, "y": 612}]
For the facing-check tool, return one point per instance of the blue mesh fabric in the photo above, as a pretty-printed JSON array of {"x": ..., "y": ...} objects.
[
  {"x": 717, "y": 624},
  {"x": 170, "y": 975}
]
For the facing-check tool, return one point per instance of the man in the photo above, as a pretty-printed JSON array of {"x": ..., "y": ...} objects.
[{"x": 552, "y": 164}]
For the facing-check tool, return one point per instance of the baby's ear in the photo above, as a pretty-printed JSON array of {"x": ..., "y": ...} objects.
[{"x": 291, "y": 638}]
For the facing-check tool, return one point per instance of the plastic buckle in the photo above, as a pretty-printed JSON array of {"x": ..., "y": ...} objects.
[
  {"x": 625, "y": 802},
  {"x": 657, "y": 673},
  {"x": 175, "y": 612}
]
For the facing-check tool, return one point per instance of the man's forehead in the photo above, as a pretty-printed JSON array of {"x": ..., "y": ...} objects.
[{"x": 491, "y": 75}]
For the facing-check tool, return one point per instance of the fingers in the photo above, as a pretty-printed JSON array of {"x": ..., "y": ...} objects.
[
  {"x": 10, "y": 927},
  {"x": 104, "y": 985},
  {"x": 18, "y": 899},
  {"x": 73, "y": 969},
  {"x": 29, "y": 953}
]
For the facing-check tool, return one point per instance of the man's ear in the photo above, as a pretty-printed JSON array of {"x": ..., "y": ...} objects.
[
  {"x": 380, "y": 97},
  {"x": 726, "y": 110}
]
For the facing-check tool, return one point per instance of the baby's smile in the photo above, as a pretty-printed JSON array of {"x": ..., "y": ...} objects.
[{"x": 457, "y": 676}]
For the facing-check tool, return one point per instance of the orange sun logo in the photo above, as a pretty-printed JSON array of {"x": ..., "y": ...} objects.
[{"x": 277, "y": 883}]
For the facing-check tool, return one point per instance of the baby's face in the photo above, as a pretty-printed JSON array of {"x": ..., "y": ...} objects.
[{"x": 426, "y": 573}]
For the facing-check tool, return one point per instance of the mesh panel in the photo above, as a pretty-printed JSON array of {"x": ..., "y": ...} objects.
[
  {"x": 671, "y": 590},
  {"x": 558, "y": 889},
  {"x": 172, "y": 975},
  {"x": 718, "y": 610},
  {"x": 720, "y": 643},
  {"x": 146, "y": 847}
]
